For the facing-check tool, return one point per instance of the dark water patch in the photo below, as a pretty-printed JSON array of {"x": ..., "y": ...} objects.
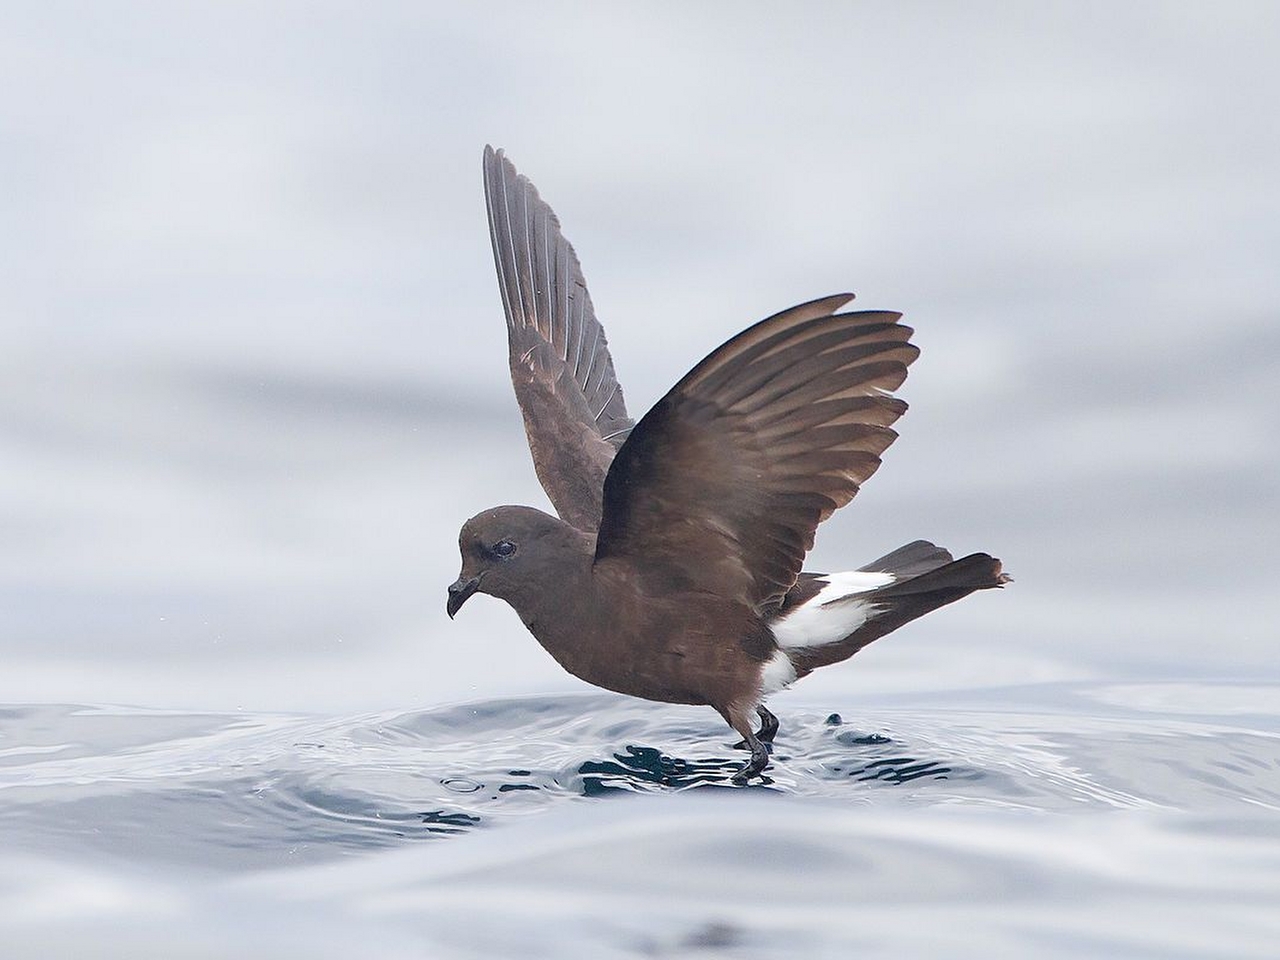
[
  {"x": 854, "y": 739},
  {"x": 450, "y": 822},
  {"x": 638, "y": 769},
  {"x": 875, "y": 757},
  {"x": 899, "y": 770}
]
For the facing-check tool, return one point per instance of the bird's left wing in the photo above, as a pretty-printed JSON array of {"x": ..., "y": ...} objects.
[{"x": 574, "y": 415}]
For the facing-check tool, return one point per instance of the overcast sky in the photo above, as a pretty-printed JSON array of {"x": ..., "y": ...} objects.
[{"x": 252, "y": 369}]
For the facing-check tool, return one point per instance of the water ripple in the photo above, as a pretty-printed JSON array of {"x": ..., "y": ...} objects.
[{"x": 270, "y": 789}]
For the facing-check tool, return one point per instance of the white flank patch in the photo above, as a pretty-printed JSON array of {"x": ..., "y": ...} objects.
[
  {"x": 777, "y": 672},
  {"x": 833, "y": 613}
]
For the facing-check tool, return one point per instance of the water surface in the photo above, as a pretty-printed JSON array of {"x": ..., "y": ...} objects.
[{"x": 1130, "y": 820}]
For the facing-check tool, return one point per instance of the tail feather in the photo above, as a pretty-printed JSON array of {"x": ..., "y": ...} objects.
[
  {"x": 917, "y": 557},
  {"x": 905, "y": 600},
  {"x": 978, "y": 571}
]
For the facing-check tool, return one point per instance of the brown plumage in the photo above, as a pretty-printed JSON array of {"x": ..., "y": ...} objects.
[
  {"x": 574, "y": 414},
  {"x": 673, "y": 572}
]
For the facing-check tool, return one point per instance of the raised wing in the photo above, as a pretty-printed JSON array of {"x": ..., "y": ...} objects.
[
  {"x": 721, "y": 485},
  {"x": 574, "y": 415}
]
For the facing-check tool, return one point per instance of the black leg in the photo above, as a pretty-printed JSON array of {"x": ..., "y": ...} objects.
[
  {"x": 740, "y": 719},
  {"x": 759, "y": 760},
  {"x": 768, "y": 725},
  {"x": 768, "y": 729}
]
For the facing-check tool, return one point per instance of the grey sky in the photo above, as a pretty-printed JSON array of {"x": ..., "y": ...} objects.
[{"x": 252, "y": 362}]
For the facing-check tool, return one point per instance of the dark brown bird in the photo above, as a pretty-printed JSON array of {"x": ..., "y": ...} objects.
[{"x": 673, "y": 571}]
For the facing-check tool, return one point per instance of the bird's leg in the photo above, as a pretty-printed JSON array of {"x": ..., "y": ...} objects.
[
  {"x": 768, "y": 725},
  {"x": 768, "y": 729},
  {"x": 759, "y": 752},
  {"x": 759, "y": 760}
]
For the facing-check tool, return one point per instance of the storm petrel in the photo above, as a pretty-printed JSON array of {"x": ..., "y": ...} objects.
[{"x": 673, "y": 569}]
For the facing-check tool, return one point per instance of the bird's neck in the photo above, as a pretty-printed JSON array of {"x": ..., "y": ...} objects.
[
  {"x": 563, "y": 586},
  {"x": 563, "y": 603}
]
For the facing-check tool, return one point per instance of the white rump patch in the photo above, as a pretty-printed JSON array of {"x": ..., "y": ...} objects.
[
  {"x": 833, "y": 613},
  {"x": 777, "y": 672}
]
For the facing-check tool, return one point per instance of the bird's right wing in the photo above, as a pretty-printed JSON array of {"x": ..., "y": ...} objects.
[
  {"x": 574, "y": 414},
  {"x": 721, "y": 485}
]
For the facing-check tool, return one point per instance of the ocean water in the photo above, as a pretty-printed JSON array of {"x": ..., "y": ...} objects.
[{"x": 1134, "y": 820}]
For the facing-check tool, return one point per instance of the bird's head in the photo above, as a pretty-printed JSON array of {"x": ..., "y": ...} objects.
[{"x": 508, "y": 551}]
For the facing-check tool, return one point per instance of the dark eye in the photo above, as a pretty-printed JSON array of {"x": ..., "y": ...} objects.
[{"x": 503, "y": 548}]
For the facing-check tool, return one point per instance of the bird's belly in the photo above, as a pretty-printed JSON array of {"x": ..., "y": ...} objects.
[
  {"x": 668, "y": 662},
  {"x": 651, "y": 671}
]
